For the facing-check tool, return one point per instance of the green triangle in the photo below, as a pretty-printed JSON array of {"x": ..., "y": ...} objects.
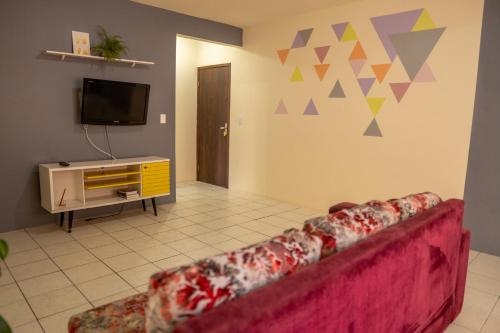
[
  {"x": 375, "y": 104},
  {"x": 424, "y": 22},
  {"x": 296, "y": 75},
  {"x": 349, "y": 34}
]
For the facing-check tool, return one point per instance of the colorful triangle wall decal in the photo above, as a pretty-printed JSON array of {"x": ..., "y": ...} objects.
[
  {"x": 392, "y": 24},
  {"x": 283, "y": 55},
  {"x": 373, "y": 129},
  {"x": 380, "y": 71},
  {"x": 425, "y": 74},
  {"x": 357, "y": 65},
  {"x": 366, "y": 84},
  {"x": 302, "y": 38},
  {"x": 281, "y": 109},
  {"x": 298, "y": 42},
  {"x": 321, "y": 70},
  {"x": 399, "y": 89},
  {"x": 358, "y": 52},
  {"x": 311, "y": 109},
  {"x": 424, "y": 22},
  {"x": 339, "y": 29},
  {"x": 296, "y": 75},
  {"x": 349, "y": 34},
  {"x": 413, "y": 48},
  {"x": 321, "y": 52},
  {"x": 375, "y": 104},
  {"x": 337, "y": 91},
  {"x": 306, "y": 34}
]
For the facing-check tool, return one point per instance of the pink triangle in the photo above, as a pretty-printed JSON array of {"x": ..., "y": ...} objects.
[
  {"x": 321, "y": 52},
  {"x": 281, "y": 109},
  {"x": 311, "y": 109},
  {"x": 399, "y": 89},
  {"x": 425, "y": 74},
  {"x": 357, "y": 65}
]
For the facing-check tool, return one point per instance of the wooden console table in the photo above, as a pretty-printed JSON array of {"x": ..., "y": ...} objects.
[{"x": 93, "y": 184}]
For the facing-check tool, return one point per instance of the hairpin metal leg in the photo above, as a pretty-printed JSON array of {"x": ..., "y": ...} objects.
[{"x": 154, "y": 206}]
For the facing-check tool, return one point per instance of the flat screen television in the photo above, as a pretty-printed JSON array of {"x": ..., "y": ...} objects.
[{"x": 114, "y": 103}]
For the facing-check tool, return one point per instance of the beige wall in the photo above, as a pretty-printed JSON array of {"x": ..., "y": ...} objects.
[
  {"x": 185, "y": 110},
  {"x": 317, "y": 160}
]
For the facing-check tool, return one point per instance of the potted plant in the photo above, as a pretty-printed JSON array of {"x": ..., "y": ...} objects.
[
  {"x": 111, "y": 47},
  {"x": 4, "y": 251}
]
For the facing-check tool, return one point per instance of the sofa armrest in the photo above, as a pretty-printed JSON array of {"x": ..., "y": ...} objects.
[{"x": 462, "y": 271}]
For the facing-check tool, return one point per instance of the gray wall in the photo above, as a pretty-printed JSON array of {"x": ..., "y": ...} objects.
[
  {"x": 482, "y": 188},
  {"x": 38, "y": 105}
]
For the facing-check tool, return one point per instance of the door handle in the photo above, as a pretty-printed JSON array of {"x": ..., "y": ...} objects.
[{"x": 224, "y": 128}]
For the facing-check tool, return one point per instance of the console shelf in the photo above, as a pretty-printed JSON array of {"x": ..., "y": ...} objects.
[
  {"x": 107, "y": 184},
  {"x": 84, "y": 185},
  {"x": 101, "y": 175},
  {"x": 63, "y": 56}
]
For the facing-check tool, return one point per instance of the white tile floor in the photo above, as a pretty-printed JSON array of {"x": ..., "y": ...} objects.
[{"x": 51, "y": 275}]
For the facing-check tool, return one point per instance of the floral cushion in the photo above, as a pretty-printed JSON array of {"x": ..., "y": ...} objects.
[
  {"x": 344, "y": 228},
  {"x": 125, "y": 315},
  {"x": 414, "y": 204},
  {"x": 348, "y": 226},
  {"x": 178, "y": 294}
]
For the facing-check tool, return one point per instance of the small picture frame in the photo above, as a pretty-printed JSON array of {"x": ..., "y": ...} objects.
[{"x": 81, "y": 42}]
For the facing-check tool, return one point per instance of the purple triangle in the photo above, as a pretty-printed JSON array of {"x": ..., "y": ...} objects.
[
  {"x": 311, "y": 109},
  {"x": 366, "y": 84},
  {"x": 298, "y": 41},
  {"x": 305, "y": 35},
  {"x": 339, "y": 29},
  {"x": 394, "y": 23},
  {"x": 321, "y": 52},
  {"x": 281, "y": 109}
]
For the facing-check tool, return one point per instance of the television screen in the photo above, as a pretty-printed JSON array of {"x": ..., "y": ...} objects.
[{"x": 114, "y": 103}]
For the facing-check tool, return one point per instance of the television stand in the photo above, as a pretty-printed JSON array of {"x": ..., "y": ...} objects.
[{"x": 84, "y": 185}]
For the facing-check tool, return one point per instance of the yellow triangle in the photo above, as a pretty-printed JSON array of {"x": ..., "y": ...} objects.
[
  {"x": 375, "y": 104},
  {"x": 349, "y": 34},
  {"x": 424, "y": 22},
  {"x": 297, "y": 75}
]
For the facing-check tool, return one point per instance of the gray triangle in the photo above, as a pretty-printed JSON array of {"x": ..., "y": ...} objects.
[
  {"x": 413, "y": 48},
  {"x": 306, "y": 34},
  {"x": 373, "y": 129},
  {"x": 337, "y": 91}
]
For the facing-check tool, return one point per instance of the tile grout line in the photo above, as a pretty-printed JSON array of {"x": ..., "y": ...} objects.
[
  {"x": 67, "y": 277},
  {"x": 489, "y": 313}
]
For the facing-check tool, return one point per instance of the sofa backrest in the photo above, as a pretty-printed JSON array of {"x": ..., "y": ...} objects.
[{"x": 394, "y": 281}]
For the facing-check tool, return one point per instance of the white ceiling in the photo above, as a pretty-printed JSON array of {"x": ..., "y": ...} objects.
[{"x": 242, "y": 13}]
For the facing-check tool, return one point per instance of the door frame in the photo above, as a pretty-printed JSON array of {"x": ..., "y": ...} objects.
[{"x": 228, "y": 87}]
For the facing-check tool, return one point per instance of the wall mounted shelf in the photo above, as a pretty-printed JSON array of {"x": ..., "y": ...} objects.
[{"x": 63, "y": 56}]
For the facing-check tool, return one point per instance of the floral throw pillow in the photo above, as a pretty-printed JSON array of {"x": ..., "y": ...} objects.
[
  {"x": 346, "y": 227},
  {"x": 125, "y": 315},
  {"x": 414, "y": 204},
  {"x": 178, "y": 294}
]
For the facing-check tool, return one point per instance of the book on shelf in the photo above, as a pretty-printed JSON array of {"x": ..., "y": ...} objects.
[{"x": 128, "y": 194}]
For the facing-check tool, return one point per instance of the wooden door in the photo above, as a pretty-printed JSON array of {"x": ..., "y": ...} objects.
[{"x": 213, "y": 130}]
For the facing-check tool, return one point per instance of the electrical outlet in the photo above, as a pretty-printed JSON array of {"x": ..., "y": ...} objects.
[{"x": 163, "y": 118}]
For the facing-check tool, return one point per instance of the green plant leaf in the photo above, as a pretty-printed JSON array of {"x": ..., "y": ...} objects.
[
  {"x": 4, "y": 327},
  {"x": 4, "y": 249},
  {"x": 110, "y": 47}
]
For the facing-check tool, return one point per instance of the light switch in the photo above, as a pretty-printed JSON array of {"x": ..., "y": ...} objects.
[{"x": 163, "y": 118}]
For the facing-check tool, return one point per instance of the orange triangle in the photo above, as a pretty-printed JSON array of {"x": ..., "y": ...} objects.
[
  {"x": 381, "y": 71},
  {"x": 358, "y": 52},
  {"x": 321, "y": 70},
  {"x": 283, "y": 54}
]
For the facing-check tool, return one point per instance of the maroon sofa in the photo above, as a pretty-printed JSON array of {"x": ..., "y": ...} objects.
[{"x": 407, "y": 278}]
